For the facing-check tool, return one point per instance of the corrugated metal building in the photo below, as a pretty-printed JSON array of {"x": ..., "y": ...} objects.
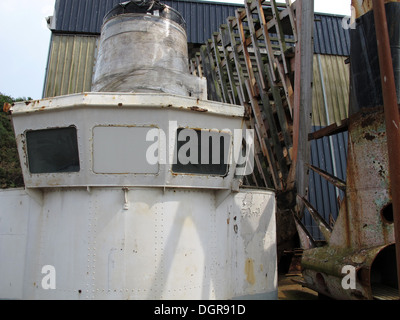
[
  {"x": 76, "y": 27},
  {"x": 86, "y": 16},
  {"x": 78, "y": 22},
  {"x": 330, "y": 105}
]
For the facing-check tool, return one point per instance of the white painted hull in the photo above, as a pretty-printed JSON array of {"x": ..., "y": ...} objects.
[{"x": 149, "y": 243}]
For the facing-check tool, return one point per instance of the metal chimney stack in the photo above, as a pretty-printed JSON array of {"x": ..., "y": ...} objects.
[{"x": 143, "y": 49}]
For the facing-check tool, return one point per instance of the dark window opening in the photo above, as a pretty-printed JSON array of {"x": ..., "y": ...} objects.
[
  {"x": 202, "y": 152},
  {"x": 53, "y": 150},
  {"x": 384, "y": 273},
  {"x": 387, "y": 213}
]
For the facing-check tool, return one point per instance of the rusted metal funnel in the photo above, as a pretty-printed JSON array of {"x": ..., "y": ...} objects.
[{"x": 143, "y": 49}]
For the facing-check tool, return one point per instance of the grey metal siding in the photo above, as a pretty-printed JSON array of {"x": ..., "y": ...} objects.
[
  {"x": 330, "y": 37},
  {"x": 330, "y": 105},
  {"x": 202, "y": 18},
  {"x": 86, "y": 16},
  {"x": 81, "y": 16},
  {"x": 321, "y": 194}
]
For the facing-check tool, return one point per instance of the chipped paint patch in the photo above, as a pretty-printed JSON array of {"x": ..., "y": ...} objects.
[{"x": 249, "y": 270}]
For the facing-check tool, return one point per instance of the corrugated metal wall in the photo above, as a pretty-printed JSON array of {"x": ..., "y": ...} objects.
[
  {"x": 330, "y": 37},
  {"x": 329, "y": 154},
  {"x": 202, "y": 18},
  {"x": 70, "y": 65},
  {"x": 86, "y": 16},
  {"x": 330, "y": 105},
  {"x": 331, "y": 90}
]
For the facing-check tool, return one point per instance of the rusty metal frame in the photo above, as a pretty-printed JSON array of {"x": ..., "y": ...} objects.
[{"x": 392, "y": 119}]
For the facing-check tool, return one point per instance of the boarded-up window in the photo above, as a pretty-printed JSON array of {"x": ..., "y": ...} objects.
[{"x": 53, "y": 150}]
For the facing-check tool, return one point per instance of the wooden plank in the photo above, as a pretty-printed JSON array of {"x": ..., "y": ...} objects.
[
  {"x": 267, "y": 39},
  {"x": 267, "y": 179},
  {"x": 199, "y": 65},
  {"x": 221, "y": 73},
  {"x": 227, "y": 57},
  {"x": 256, "y": 51},
  {"x": 282, "y": 116},
  {"x": 287, "y": 86},
  {"x": 213, "y": 88},
  {"x": 264, "y": 142},
  {"x": 193, "y": 67},
  {"x": 274, "y": 135},
  {"x": 291, "y": 18},
  {"x": 213, "y": 70},
  {"x": 281, "y": 36},
  {"x": 239, "y": 69},
  {"x": 249, "y": 65}
]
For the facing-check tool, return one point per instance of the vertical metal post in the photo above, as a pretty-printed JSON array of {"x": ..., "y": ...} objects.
[
  {"x": 303, "y": 94},
  {"x": 392, "y": 118}
]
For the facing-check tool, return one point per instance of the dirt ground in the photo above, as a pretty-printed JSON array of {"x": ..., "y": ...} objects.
[{"x": 290, "y": 290}]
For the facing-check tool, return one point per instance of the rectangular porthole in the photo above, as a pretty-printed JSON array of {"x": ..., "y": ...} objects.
[
  {"x": 53, "y": 150},
  {"x": 202, "y": 152}
]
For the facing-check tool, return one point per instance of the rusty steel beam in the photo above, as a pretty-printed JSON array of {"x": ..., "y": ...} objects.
[
  {"x": 329, "y": 130},
  {"x": 306, "y": 239},
  {"x": 325, "y": 229},
  {"x": 338, "y": 183},
  {"x": 392, "y": 118}
]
